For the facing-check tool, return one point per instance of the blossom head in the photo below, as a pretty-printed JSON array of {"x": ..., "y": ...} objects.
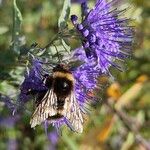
[
  {"x": 105, "y": 35},
  {"x": 33, "y": 81}
]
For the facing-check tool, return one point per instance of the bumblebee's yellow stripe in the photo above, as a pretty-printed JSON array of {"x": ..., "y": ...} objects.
[{"x": 69, "y": 76}]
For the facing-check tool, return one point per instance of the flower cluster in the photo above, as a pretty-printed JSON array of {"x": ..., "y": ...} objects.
[
  {"x": 106, "y": 38},
  {"x": 86, "y": 77},
  {"x": 32, "y": 83}
]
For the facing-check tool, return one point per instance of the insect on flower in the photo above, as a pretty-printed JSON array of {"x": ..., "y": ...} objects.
[
  {"x": 62, "y": 94},
  {"x": 59, "y": 100}
]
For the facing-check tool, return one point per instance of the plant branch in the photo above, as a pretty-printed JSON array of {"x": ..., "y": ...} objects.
[
  {"x": 130, "y": 124},
  {"x": 52, "y": 41}
]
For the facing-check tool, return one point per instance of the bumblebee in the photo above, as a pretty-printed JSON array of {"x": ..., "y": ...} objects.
[{"x": 59, "y": 101}]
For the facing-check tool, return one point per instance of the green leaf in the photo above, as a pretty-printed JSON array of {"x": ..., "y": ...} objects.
[
  {"x": 17, "y": 20},
  {"x": 65, "y": 45},
  {"x": 62, "y": 21}
]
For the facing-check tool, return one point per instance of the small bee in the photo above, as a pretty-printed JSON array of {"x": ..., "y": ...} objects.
[{"x": 59, "y": 100}]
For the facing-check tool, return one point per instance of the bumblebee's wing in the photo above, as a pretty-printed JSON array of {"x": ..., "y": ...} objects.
[
  {"x": 74, "y": 115},
  {"x": 45, "y": 109}
]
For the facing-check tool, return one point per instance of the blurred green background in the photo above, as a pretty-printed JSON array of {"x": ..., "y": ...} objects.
[{"x": 121, "y": 121}]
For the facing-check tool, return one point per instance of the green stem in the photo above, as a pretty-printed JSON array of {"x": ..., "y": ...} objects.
[{"x": 52, "y": 40}]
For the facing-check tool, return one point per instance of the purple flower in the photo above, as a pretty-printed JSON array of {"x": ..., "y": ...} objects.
[
  {"x": 86, "y": 78},
  {"x": 8, "y": 121},
  {"x": 53, "y": 137},
  {"x": 106, "y": 37},
  {"x": 7, "y": 101},
  {"x": 33, "y": 82}
]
